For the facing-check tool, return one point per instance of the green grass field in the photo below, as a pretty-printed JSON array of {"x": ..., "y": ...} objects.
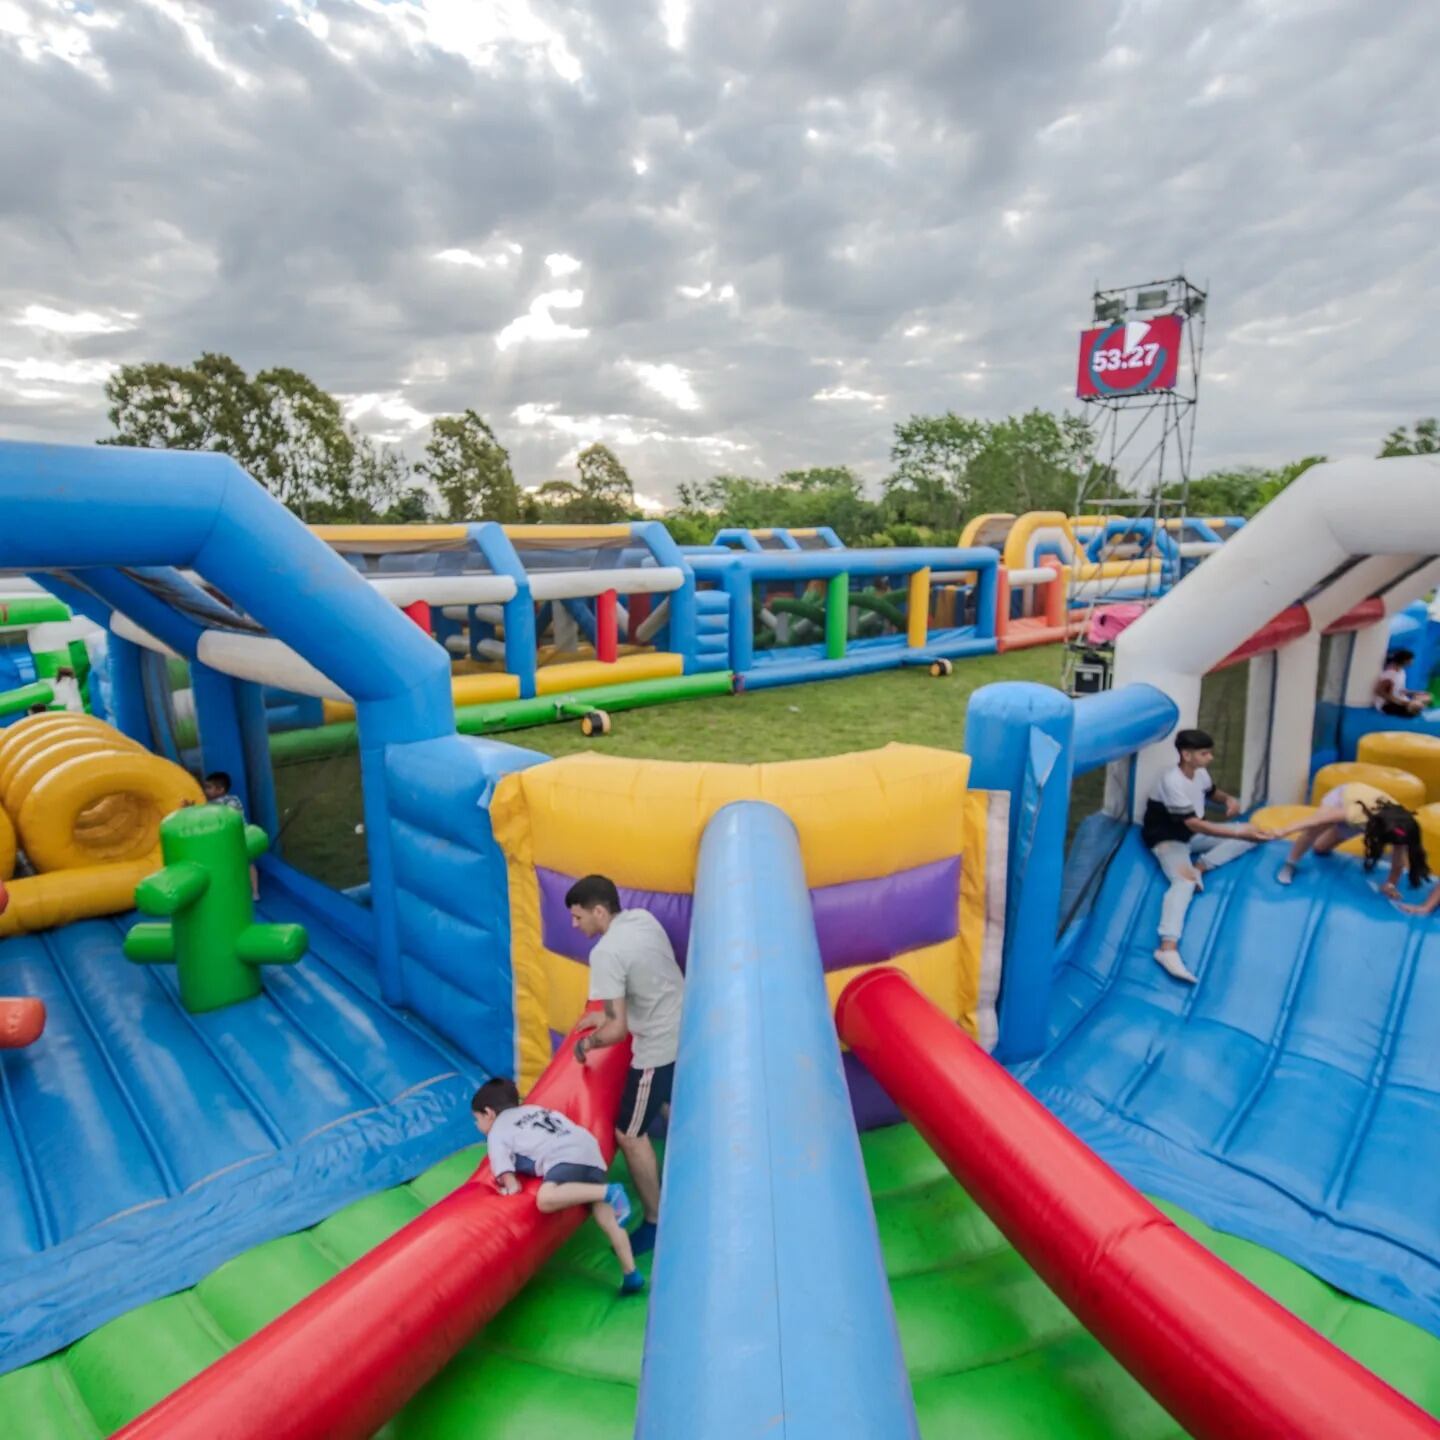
[
  {"x": 796, "y": 722},
  {"x": 319, "y": 800}
]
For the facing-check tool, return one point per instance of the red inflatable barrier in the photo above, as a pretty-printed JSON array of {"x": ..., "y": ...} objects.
[
  {"x": 341, "y": 1362},
  {"x": 607, "y": 626},
  {"x": 1222, "y": 1357}
]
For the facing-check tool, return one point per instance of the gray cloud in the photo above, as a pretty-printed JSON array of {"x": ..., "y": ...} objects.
[{"x": 898, "y": 207}]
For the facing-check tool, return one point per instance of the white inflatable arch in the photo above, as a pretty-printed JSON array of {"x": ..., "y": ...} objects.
[{"x": 1343, "y": 532}]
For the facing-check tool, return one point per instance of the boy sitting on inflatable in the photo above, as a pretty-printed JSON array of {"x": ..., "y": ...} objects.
[
  {"x": 1185, "y": 843},
  {"x": 531, "y": 1140}
]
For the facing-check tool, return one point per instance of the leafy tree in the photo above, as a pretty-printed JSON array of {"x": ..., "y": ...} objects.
[
  {"x": 604, "y": 482},
  {"x": 1425, "y": 440},
  {"x": 797, "y": 500},
  {"x": 1242, "y": 491},
  {"x": 470, "y": 470},
  {"x": 931, "y": 481},
  {"x": 602, "y": 493},
  {"x": 289, "y": 434},
  {"x": 948, "y": 468},
  {"x": 1030, "y": 462}
]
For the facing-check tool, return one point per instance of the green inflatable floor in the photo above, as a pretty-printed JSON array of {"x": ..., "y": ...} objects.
[{"x": 991, "y": 1351}]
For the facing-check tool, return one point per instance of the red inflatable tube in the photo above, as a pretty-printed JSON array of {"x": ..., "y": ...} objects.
[
  {"x": 607, "y": 626},
  {"x": 1222, "y": 1357},
  {"x": 341, "y": 1362}
]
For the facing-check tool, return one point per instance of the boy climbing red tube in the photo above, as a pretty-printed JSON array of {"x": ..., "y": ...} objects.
[
  {"x": 348, "y": 1356},
  {"x": 1221, "y": 1356}
]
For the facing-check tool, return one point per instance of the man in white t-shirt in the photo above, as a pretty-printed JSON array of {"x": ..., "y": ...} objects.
[
  {"x": 1185, "y": 843},
  {"x": 634, "y": 975}
]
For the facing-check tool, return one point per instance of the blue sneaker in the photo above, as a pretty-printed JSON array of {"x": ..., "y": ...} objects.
[
  {"x": 642, "y": 1237},
  {"x": 632, "y": 1284},
  {"x": 618, "y": 1201}
]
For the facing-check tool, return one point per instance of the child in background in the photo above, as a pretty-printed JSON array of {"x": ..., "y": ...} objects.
[
  {"x": 531, "y": 1140},
  {"x": 66, "y": 689},
  {"x": 1391, "y": 695},
  {"x": 1359, "y": 809},
  {"x": 216, "y": 786}
]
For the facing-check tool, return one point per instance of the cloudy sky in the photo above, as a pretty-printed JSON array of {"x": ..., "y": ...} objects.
[{"x": 719, "y": 235}]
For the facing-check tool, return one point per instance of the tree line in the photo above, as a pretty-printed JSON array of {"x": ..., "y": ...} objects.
[{"x": 293, "y": 438}]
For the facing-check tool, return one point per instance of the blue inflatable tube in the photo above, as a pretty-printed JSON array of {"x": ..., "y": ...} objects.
[
  {"x": 748, "y": 1336},
  {"x": 1119, "y": 722}
]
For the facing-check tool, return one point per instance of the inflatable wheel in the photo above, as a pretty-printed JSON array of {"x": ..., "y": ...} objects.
[
  {"x": 941, "y": 667},
  {"x": 597, "y": 722},
  {"x": 21, "y": 1022}
]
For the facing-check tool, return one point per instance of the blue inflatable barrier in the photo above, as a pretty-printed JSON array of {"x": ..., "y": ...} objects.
[{"x": 771, "y": 1314}]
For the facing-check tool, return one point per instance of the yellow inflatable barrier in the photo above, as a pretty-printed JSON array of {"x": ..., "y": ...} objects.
[
  {"x": 40, "y": 902},
  {"x": 1405, "y": 750},
  {"x": 863, "y": 819},
  {"x": 7, "y": 847},
  {"x": 1400, "y": 785}
]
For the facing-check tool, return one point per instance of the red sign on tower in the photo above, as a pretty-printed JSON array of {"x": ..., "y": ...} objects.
[{"x": 1130, "y": 357}]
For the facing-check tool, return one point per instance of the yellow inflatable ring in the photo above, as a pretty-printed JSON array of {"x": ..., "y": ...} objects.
[
  {"x": 25, "y": 730},
  {"x": 153, "y": 787},
  {"x": 35, "y": 766},
  {"x": 38, "y": 741}
]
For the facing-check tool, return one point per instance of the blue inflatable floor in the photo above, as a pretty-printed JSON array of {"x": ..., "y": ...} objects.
[
  {"x": 141, "y": 1146},
  {"x": 1291, "y": 1097}
]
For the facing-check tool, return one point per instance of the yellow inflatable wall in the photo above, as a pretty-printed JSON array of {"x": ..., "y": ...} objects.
[{"x": 860, "y": 817}]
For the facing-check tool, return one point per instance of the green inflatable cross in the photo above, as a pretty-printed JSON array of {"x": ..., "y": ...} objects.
[{"x": 205, "y": 889}]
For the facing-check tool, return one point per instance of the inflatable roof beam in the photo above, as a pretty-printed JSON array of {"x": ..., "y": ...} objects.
[
  {"x": 745, "y": 1335},
  {"x": 1340, "y": 533},
  {"x": 339, "y": 1364},
  {"x": 1219, "y": 1354}
]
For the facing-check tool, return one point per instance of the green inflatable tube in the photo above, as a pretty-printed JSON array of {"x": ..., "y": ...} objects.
[
  {"x": 326, "y": 740},
  {"x": 576, "y": 704},
  {"x": 22, "y": 611},
  {"x": 24, "y": 696}
]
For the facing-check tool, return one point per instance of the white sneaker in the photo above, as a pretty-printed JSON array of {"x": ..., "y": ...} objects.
[{"x": 1171, "y": 963}]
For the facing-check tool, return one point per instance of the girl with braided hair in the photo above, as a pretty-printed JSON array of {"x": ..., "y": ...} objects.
[{"x": 1359, "y": 809}]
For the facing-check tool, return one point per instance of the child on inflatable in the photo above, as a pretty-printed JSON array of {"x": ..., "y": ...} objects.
[
  {"x": 531, "y": 1140},
  {"x": 1391, "y": 695},
  {"x": 1187, "y": 845},
  {"x": 1359, "y": 809}
]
